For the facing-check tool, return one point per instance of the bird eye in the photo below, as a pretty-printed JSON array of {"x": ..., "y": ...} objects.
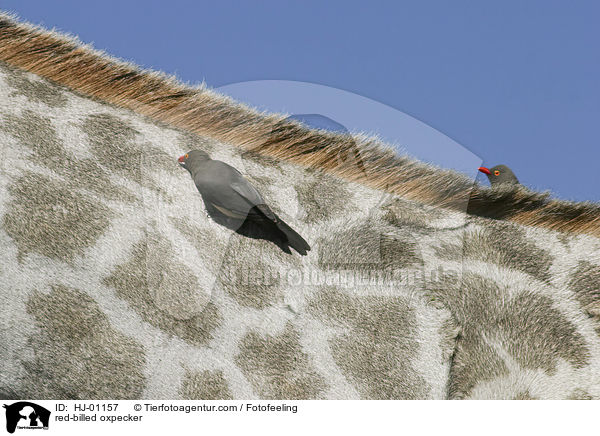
[
  {"x": 186, "y": 156},
  {"x": 496, "y": 173}
]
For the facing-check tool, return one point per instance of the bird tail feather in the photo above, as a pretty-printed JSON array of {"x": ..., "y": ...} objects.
[{"x": 294, "y": 240}]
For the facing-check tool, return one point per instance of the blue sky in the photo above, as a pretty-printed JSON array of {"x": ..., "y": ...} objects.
[{"x": 514, "y": 82}]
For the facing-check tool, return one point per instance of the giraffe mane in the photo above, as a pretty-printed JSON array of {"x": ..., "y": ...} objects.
[{"x": 65, "y": 60}]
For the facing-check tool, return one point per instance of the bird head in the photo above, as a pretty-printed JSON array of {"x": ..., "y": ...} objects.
[
  {"x": 192, "y": 158},
  {"x": 499, "y": 174}
]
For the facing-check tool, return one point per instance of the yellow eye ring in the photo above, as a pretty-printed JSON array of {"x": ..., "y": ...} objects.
[
  {"x": 187, "y": 155},
  {"x": 496, "y": 173}
]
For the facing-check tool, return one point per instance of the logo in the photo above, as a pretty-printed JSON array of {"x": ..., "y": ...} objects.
[{"x": 26, "y": 415}]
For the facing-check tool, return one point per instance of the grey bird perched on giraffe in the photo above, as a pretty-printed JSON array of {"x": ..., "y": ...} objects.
[
  {"x": 233, "y": 202},
  {"x": 500, "y": 174}
]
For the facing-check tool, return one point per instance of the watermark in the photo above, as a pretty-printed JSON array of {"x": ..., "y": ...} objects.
[
  {"x": 24, "y": 415},
  {"x": 342, "y": 278},
  {"x": 311, "y": 203}
]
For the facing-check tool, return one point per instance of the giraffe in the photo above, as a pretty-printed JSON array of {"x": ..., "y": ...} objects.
[{"x": 116, "y": 284}]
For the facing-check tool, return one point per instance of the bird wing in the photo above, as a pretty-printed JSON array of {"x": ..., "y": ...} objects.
[
  {"x": 247, "y": 191},
  {"x": 228, "y": 191},
  {"x": 258, "y": 206}
]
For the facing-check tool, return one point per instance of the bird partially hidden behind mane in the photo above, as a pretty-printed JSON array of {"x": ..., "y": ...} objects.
[
  {"x": 500, "y": 174},
  {"x": 233, "y": 202}
]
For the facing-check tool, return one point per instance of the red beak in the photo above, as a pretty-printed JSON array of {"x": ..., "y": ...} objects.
[
  {"x": 181, "y": 159},
  {"x": 485, "y": 170}
]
